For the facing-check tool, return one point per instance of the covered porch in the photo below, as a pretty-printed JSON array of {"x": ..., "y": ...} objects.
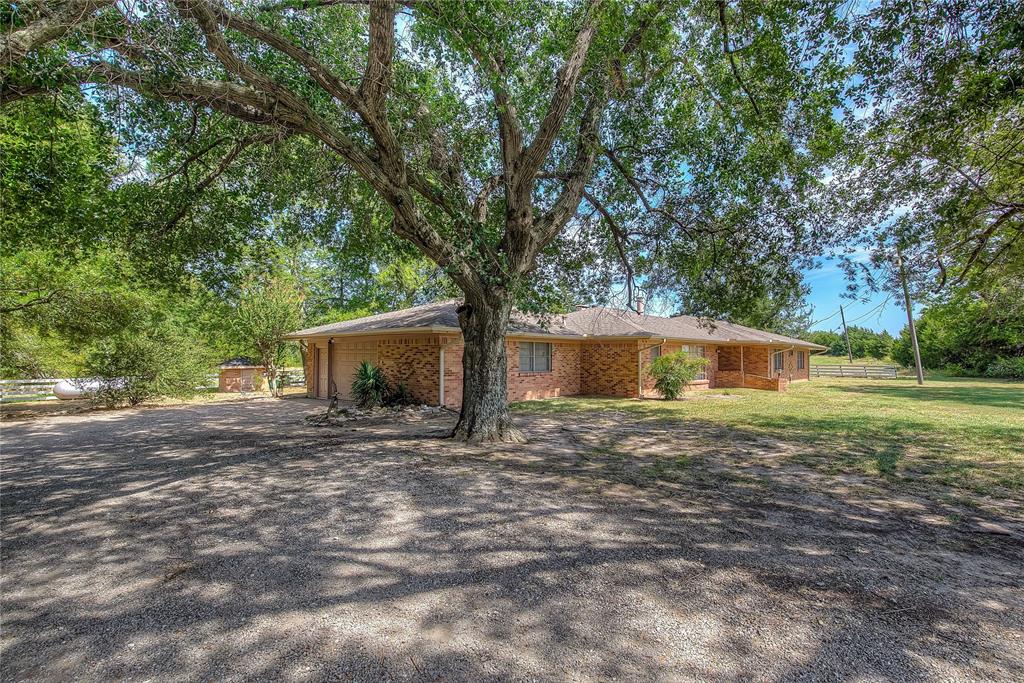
[{"x": 752, "y": 367}]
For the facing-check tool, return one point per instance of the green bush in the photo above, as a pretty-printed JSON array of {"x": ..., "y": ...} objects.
[
  {"x": 370, "y": 387},
  {"x": 400, "y": 396},
  {"x": 132, "y": 368},
  {"x": 1010, "y": 368},
  {"x": 974, "y": 334},
  {"x": 673, "y": 372}
]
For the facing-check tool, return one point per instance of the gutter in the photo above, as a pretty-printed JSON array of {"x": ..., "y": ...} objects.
[{"x": 640, "y": 367}]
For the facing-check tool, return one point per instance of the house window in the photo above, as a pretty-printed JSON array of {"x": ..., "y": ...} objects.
[
  {"x": 534, "y": 357},
  {"x": 799, "y": 360},
  {"x": 695, "y": 352},
  {"x": 778, "y": 361},
  {"x": 655, "y": 352}
]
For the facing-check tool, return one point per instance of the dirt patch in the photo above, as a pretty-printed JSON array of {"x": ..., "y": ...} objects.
[{"x": 233, "y": 541}]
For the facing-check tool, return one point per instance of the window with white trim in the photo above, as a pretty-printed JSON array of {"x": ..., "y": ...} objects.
[
  {"x": 534, "y": 357},
  {"x": 695, "y": 352},
  {"x": 779, "y": 362},
  {"x": 799, "y": 360}
]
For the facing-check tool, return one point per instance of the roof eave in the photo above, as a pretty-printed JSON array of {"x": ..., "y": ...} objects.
[{"x": 438, "y": 329}]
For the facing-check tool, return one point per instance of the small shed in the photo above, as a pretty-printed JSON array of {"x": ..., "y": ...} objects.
[{"x": 241, "y": 374}]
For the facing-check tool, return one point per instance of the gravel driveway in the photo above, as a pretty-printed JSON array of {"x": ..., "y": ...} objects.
[{"x": 234, "y": 541}]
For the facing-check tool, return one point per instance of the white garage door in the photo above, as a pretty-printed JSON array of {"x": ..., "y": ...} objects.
[{"x": 347, "y": 357}]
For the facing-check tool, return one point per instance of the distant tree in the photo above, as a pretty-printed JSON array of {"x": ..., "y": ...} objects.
[
  {"x": 132, "y": 367},
  {"x": 266, "y": 310},
  {"x": 970, "y": 333},
  {"x": 864, "y": 342},
  {"x": 833, "y": 340}
]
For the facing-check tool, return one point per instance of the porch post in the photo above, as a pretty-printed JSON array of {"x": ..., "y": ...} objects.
[{"x": 330, "y": 368}]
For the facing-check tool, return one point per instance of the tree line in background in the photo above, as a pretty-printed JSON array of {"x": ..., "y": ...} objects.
[
  {"x": 99, "y": 286},
  {"x": 197, "y": 175},
  {"x": 864, "y": 342}
]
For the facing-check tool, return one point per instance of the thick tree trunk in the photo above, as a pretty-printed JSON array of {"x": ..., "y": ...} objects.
[{"x": 485, "y": 416}]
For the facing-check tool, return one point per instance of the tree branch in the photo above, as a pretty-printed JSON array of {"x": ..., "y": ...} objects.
[
  {"x": 641, "y": 195},
  {"x": 190, "y": 159},
  {"x": 619, "y": 238},
  {"x": 378, "y": 75},
  {"x": 317, "y": 4},
  {"x": 225, "y": 163},
  {"x": 38, "y": 301},
  {"x": 730, "y": 53},
  {"x": 565, "y": 91},
  {"x": 509, "y": 129},
  {"x": 482, "y": 199},
  {"x": 316, "y": 70},
  {"x": 16, "y": 44}
]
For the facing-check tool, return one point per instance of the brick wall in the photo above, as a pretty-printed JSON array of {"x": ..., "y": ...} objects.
[
  {"x": 729, "y": 358},
  {"x": 413, "y": 361},
  {"x": 453, "y": 372},
  {"x": 609, "y": 368},
  {"x": 562, "y": 380},
  {"x": 594, "y": 368},
  {"x": 756, "y": 360},
  {"x": 240, "y": 379}
]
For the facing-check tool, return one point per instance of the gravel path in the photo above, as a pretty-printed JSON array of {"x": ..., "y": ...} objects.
[{"x": 233, "y": 541}]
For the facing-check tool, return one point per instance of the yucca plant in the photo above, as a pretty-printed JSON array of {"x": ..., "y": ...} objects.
[{"x": 370, "y": 387}]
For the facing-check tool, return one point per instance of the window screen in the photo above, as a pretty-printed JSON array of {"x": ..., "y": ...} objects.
[
  {"x": 534, "y": 357},
  {"x": 799, "y": 360},
  {"x": 695, "y": 352},
  {"x": 777, "y": 364}
]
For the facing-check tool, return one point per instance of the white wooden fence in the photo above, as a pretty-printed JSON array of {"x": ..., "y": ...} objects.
[
  {"x": 42, "y": 389},
  {"x": 869, "y": 371}
]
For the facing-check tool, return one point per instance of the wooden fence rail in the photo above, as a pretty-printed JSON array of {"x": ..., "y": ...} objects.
[
  {"x": 11, "y": 389},
  {"x": 870, "y": 371}
]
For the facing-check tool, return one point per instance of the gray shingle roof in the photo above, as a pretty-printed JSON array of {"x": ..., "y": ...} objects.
[
  {"x": 613, "y": 322},
  {"x": 584, "y": 323},
  {"x": 437, "y": 316}
]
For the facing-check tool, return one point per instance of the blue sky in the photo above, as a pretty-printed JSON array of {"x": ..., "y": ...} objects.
[{"x": 828, "y": 285}]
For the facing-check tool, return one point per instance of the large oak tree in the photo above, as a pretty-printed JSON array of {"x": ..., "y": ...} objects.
[{"x": 496, "y": 134}]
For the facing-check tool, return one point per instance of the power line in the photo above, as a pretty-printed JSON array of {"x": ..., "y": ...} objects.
[
  {"x": 864, "y": 315},
  {"x": 834, "y": 314}
]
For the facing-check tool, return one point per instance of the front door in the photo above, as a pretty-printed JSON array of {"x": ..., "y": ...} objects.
[{"x": 321, "y": 373}]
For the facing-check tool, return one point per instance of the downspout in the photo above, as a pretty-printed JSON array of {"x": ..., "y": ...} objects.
[
  {"x": 791, "y": 347},
  {"x": 640, "y": 367},
  {"x": 440, "y": 385}
]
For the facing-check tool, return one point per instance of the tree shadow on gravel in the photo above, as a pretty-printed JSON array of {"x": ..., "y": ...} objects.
[{"x": 234, "y": 541}]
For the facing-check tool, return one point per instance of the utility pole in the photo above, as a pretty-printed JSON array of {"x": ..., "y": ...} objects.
[
  {"x": 846, "y": 333},
  {"x": 910, "y": 316}
]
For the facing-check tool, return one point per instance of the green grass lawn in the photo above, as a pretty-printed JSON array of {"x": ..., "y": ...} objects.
[{"x": 961, "y": 437}]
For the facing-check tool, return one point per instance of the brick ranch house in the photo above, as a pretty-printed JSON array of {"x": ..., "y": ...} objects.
[{"x": 591, "y": 351}]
